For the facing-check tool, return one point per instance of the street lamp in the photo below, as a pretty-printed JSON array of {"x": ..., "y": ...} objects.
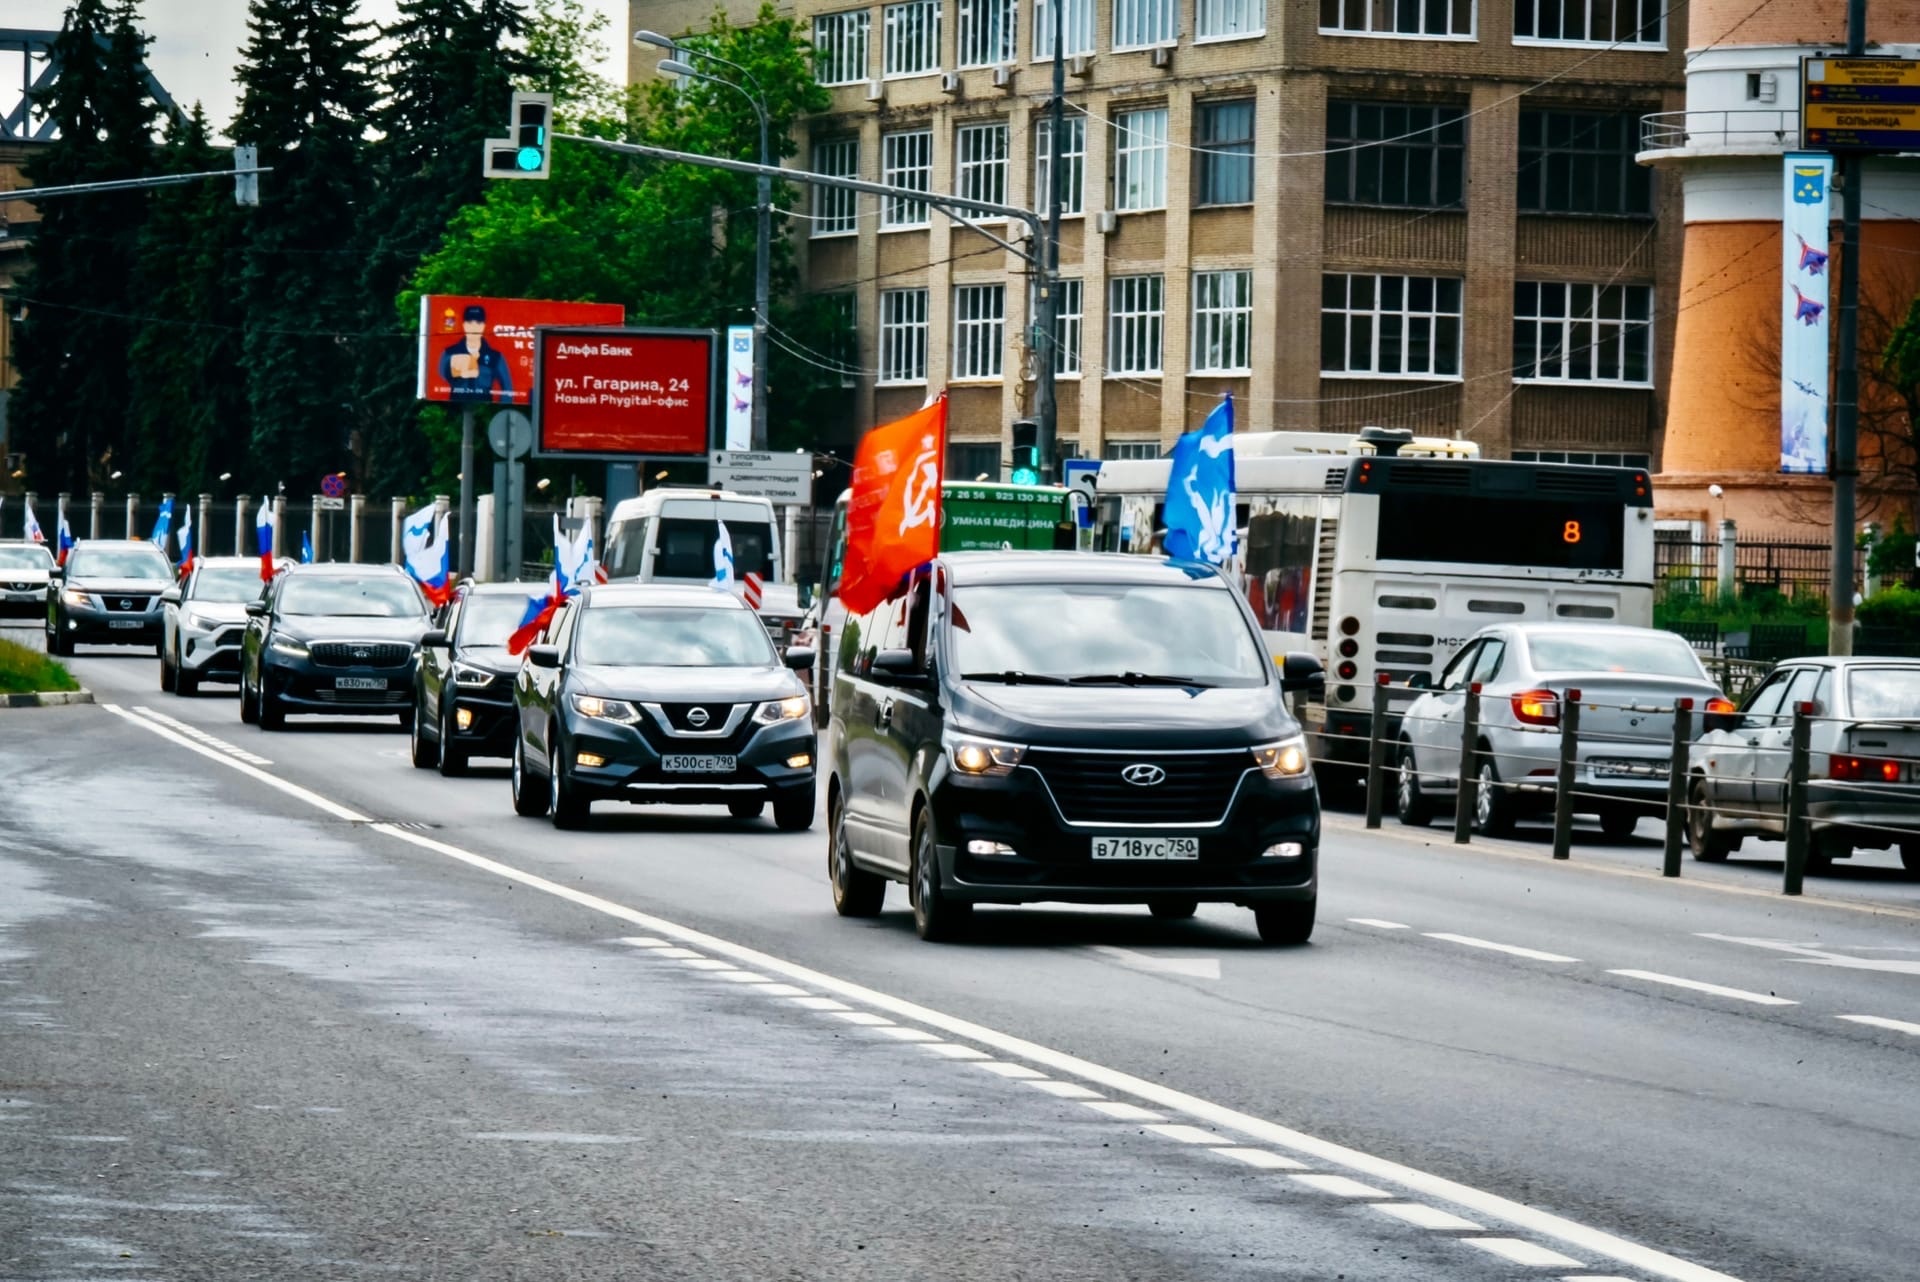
[{"x": 678, "y": 66}]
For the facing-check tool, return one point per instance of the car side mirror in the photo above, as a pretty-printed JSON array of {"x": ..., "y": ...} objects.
[
  {"x": 798, "y": 657},
  {"x": 1420, "y": 681},
  {"x": 256, "y": 609},
  {"x": 898, "y": 667},
  {"x": 171, "y": 596},
  {"x": 1301, "y": 671},
  {"x": 544, "y": 656},
  {"x": 436, "y": 639}
]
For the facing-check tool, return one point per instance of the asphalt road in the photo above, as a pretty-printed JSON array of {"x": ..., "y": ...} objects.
[{"x": 278, "y": 1002}]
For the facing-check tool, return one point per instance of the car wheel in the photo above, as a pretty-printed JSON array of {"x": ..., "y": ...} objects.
[
  {"x": 1618, "y": 822},
  {"x": 1410, "y": 805},
  {"x": 1492, "y": 803},
  {"x": 1288, "y": 923},
  {"x": 1709, "y": 844},
  {"x": 528, "y": 801},
  {"x": 453, "y": 762},
  {"x": 185, "y": 683},
  {"x": 1823, "y": 848},
  {"x": 793, "y": 809},
  {"x": 936, "y": 918},
  {"x": 856, "y": 892},
  {"x": 567, "y": 807},
  {"x": 272, "y": 715},
  {"x": 1173, "y": 909},
  {"x": 1910, "y": 854},
  {"x": 408, "y": 718},
  {"x": 59, "y": 644},
  {"x": 746, "y": 809},
  {"x": 248, "y": 716},
  {"x": 424, "y": 752},
  {"x": 169, "y": 675}
]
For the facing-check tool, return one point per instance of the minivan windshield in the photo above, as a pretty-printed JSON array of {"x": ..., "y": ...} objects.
[
  {"x": 386, "y": 596},
  {"x": 1104, "y": 633},
  {"x": 131, "y": 561},
  {"x": 1606, "y": 650},
  {"x": 673, "y": 637},
  {"x": 25, "y": 558}
]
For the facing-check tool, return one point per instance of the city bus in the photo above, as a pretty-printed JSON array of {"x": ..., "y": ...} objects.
[{"x": 1382, "y": 553}]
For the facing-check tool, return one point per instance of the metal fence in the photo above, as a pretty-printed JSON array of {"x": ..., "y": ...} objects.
[{"x": 1692, "y": 566}]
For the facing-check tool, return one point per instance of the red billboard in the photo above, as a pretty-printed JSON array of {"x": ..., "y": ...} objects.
[
  {"x": 479, "y": 351},
  {"x": 622, "y": 392}
]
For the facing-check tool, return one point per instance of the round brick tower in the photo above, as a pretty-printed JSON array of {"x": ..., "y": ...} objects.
[{"x": 1722, "y": 428}]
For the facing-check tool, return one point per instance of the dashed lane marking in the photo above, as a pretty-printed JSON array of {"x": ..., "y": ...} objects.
[
  {"x": 1183, "y": 1133},
  {"x": 1377, "y": 923},
  {"x": 1124, "y": 1112},
  {"x": 1340, "y": 1186},
  {"x": 1514, "y": 950},
  {"x": 1426, "y": 1217},
  {"x": 1521, "y": 1251},
  {"x": 1717, "y": 990},
  {"x": 1878, "y": 1021},
  {"x": 1260, "y": 1158},
  {"x": 201, "y": 737}
]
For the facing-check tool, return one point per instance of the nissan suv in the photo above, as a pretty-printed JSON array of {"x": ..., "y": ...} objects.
[
  {"x": 335, "y": 639},
  {"x": 108, "y": 594}
]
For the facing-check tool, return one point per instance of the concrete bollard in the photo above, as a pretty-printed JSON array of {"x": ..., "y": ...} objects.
[
  {"x": 356, "y": 520},
  {"x": 96, "y": 526}
]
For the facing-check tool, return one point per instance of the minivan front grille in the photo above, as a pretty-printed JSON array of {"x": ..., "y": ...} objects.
[
  {"x": 1092, "y": 787},
  {"x": 361, "y": 654}
]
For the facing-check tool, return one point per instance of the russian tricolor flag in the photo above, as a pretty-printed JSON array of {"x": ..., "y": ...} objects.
[
  {"x": 186, "y": 541},
  {"x": 263, "y": 540},
  {"x": 33, "y": 530},
  {"x": 66, "y": 539}
]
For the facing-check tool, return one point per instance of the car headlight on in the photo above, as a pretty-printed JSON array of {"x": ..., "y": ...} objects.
[
  {"x": 791, "y": 708},
  {"x": 199, "y": 622},
  {"x": 987, "y": 758},
  {"x": 465, "y": 674},
  {"x": 75, "y": 597},
  {"x": 1284, "y": 760},
  {"x": 592, "y": 705},
  {"x": 289, "y": 646}
]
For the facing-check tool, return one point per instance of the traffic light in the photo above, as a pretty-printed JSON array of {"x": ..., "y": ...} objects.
[
  {"x": 246, "y": 187},
  {"x": 1026, "y": 452},
  {"x": 528, "y": 153}
]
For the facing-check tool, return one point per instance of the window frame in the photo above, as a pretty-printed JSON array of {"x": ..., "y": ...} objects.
[
  {"x": 889, "y": 326},
  {"x": 843, "y": 222},
  {"x": 1073, "y": 159},
  {"x": 966, "y": 171},
  {"x": 1112, "y": 450},
  {"x": 1434, "y": 316},
  {"x": 1209, "y": 152},
  {"x": 1657, "y": 45},
  {"x": 927, "y": 37},
  {"x": 1624, "y": 330},
  {"x": 862, "y": 20},
  {"x": 1082, "y": 22},
  {"x": 1068, "y": 359},
  {"x": 1366, "y": 6},
  {"x": 979, "y": 339},
  {"x": 1347, "y": 144},
  {"x": 1200, "y": 7},
  {"x": 1154, "y": 321},
  {"x": 1140, "y": 14},
  {"x": 1235, "y": 315},
  {"x": 1539, "y": 154},
  {"x": 892, "y": 207},
  {"x": 1127, "y": 155},
  {"x": 1003, "y": 15}
]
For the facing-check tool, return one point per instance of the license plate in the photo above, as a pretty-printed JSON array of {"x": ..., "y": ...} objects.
[
  {"x": 26, "y": 596},
  {"x": 124, "y": 623},
  {"x": 1146, "y": 847},
  {"x": 682, "y": 764},
  {"x": 1616, "y": 768},
  {"x": 359, "y": 683}
]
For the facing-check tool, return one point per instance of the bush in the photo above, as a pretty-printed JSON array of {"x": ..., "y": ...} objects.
[
  {"x": 1893, "y": 554},
  {"x": 1894, "y": 608},
  {"x": 25, "y": 671}
]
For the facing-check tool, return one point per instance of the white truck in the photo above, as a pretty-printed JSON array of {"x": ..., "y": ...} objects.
[{"x": 668, "y": 535}]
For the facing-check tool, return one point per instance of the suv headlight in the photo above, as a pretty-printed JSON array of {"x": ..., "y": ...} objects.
[
  {"x": 465, "y": 674},
  {"x": 75, "y": 597},
  {"x": 980, "y": 758},
  {"x": 199, "y": 622},
  {"x": 1284, "y": 760},
  {"x": 592, "y": 705},
  {"x": 288, "y": 646},
  {"x": 791, "y": 708}
]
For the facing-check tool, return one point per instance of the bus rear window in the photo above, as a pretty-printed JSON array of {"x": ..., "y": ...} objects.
[
  {"x": 684, "y": 548},
  {"x": 1556, "y": 534}
]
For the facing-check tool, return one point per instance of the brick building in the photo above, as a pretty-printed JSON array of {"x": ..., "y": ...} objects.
[{"x": 1497, "y": 267}]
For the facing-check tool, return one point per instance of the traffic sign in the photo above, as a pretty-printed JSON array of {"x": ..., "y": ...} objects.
[
  {"x": 784, "y": 478},
  {"x": 332, "y": 503},
  {"x": 1860, "y": 104},
  {"x": 510, "y": 433},
  {"x": 1082, "y": 478},
  {"x": 334, "y": 485}
]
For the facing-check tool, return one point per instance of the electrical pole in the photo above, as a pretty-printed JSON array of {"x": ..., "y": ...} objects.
[
  {"x": 762, "y": 268},
  {"x": 1047, "y": 409},
  {"x": 1846, "y": 405}
]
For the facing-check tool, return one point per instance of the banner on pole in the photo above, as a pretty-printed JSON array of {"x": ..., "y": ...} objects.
[
  {"x": 1804, "y": 312},
  {"x": 740, "y": 388}
]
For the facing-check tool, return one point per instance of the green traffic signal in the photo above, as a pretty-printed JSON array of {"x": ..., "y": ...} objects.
[{"x": 528, "y": 158}]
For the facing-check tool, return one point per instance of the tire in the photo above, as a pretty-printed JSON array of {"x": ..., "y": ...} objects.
[
  {"x": 567, "y": 808},
  {"x": 528, "y": 801},
  {"x": 453, "y": 761},
  {"x": 746, "y": 809},
  {"x": 936, "y": 918},
  {"x": 58, "y": 643},
  {"x": 1823, "y": 849},
  {"x": 856, "y": 892},
  {"x": 1411, "y": 805},
  {"x": 1173, "y": 909},
  {"x": 248, "y": 715},
  {"x": 185, "y": 684},
  {"x": 1492, "y": 804},
  {"x": 272, "y": 715},
  {"x": 408, "y": 719},
  {"x": 793, "y": 809},
  {"x": 1287, "y": 923},
  {"x": 169, "y": 675},
  {"x": 1910, "y": 854},
  {"x": 423, "y": 752},
  {"x": 1618, "y": 822},
  {"x": 1708, "y": 844}
]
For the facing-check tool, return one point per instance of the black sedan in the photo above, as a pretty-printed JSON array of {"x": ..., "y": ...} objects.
[
  {"x": 108, "y": 594},
  {"x": 463, "y": 695},
  {"x": 332, "y": 639},
  {"x": 656, "y": 693}
]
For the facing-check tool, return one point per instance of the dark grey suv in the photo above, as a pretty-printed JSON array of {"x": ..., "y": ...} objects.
[
  {"x": 334, "y": 639},
  {"x": 108, "y": 594}
]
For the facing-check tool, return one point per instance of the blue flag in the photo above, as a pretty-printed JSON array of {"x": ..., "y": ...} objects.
[
  {"x": 306, "y": 548},
  {"x": 163, "y": 524},
  {"x": 1200, "y": 497}
]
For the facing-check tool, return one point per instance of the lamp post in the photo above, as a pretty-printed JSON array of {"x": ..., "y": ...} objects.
[{"x": 763, "y": 248}]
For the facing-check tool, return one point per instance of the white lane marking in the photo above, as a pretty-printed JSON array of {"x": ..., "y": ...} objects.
[
  {"x": 642, "y": 941},
  {"x": 1192, "y": 967},
  {"x": 195, "y": 732},
  {"x": 1422, "y": 1216},
  {"x": 906, "y": 1034},
  {"x": 739, "y": 977},
  {"x": 1531, "y": 954},
  {"x": 1124, "y": 1112},
  {"x": 1065, "y": 1090},
  {"x": 1523, "y": 1252},
  {"x": 1004, "y": 1069},
  {"x": 1378, "y": 923},
  {"x": 707, "y": 963},
  {"x": 1718, "y": 990},
  {"x": 1877, "y": 1021},
  {"x": 781, "y": 990},
  {"x": 818, "y": 1003},
  {"x": 1806, "y": 955},
  {"x": 862, "y": 1017},
  {"x": 1594, "y": 1277},
  {"x": 1259, "y": 1157},
  {"x": 953, "y": 1050},
  {"x": 677, "y": 952},
  {"x": 1185, "y": 1134},
  {"x": 253, "y": 772},
  {"x": 1624, "y": 1250},
  {"x": 1340, "y": 1186}
]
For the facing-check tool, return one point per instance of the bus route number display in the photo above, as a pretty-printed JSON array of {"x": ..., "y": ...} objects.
[
  {"x": 622, "y": 393},
  {"x": 1552, "y": 534}
]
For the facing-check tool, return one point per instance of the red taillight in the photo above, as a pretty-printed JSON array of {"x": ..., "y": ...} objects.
[
  {"x": 1864, "y": 770},
  {"x": 1347, "y": 670},
  {"x": 1537, "y": 708},
  {"x": 1718, "y": 706}
]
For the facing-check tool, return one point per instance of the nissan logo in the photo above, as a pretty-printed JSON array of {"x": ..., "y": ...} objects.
[
  {"x": 126, "y": 604},
  {"x": 697, "y": 717},
  {"x": 1144, "y": 774}
]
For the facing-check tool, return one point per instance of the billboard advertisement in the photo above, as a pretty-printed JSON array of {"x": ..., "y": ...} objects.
[
  {"x": 479, "y": 351},
  {"x": 1804, "y": 316},
  {"x": 623, "y": 392}
]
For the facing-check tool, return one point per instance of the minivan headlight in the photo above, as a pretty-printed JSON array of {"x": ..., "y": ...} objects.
[
  {"x": 791, "y": 708},
  {"x": 592, "y": 705},
  {"x": 1284, "y": 760},
  {"x": 982, "y": 758}
]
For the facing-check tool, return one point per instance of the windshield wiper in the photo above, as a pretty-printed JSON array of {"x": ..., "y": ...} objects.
[
  {"x": 1014, "y": 678},
  {"x": 1139, "y": 679}
]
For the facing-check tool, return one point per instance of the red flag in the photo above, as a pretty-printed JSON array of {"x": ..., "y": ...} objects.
[{"x": 893, "y": 514}]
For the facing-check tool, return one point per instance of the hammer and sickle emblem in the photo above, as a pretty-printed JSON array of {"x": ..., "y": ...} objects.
[{"x": 922, "y": 491}]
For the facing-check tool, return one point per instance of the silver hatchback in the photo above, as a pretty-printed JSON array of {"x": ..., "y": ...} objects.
[{"x": 1628, "y": 679}]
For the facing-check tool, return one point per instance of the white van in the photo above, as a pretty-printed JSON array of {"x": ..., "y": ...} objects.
[{"x": 667, "y": 535}]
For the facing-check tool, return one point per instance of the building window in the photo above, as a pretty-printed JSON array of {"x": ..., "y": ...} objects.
[
  {"x": 1641, "y": 461},
  {"x": 980, "y": 162},
  {"x": 1381, "y": 153},
  {"x": 987, "y": 32},
  {"x": 1222, "y": 336},
  {"x": 911, "y": 45},
  {"x": 1583, "y": 333},
  {"x": 903, "y": 336},
  {"x": 1073, "y": 164},
  {"x": 1136, "y": 317},
  {"x": 840, "y": 47},
  {"x": 1226, "y": 19},
  {"x": 836, "y": 210},
  {"x": 979, "y": 330},
  {"x": 1077, "y": 19},
  {"x": 844, "y": 347},
  {"x": 1069, "y": 309},
  {"x": 1129, "y": 449},
  {"x": 906, "y": 160},
  {"x": 972, "y": 461},
  {"x": 1581, "y": 162},
  {"x": 1439, "y": 18},
  {"x": 1141, "y": 24},
  {"x": 1390, "y": 326},
  {"x": 1140, "y": 159},
  {"x": 1223, "y": 138},
  {"x": 1605, "y": 22}
]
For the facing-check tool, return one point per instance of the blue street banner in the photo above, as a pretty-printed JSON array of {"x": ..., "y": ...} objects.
[
  {"x": 1805, "y": 317},
  {"x": 740, "y": 390}
]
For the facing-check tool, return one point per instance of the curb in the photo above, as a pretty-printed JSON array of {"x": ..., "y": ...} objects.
[{"x": 46, "y": 699}]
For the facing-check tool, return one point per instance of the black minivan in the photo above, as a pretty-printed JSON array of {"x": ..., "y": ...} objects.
[{"x": 1015, "y": 727}]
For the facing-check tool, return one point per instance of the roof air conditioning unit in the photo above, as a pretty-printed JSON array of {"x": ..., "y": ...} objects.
[
  {"x": 1003, "y": 76},
  {"x": 1080, "y": 64},
  {"x": 1106, "y": 222},
  {"x": 1163, "y": 55},
  {"x": 950, "y": 82},
  {"x": 876, "y": 91}
]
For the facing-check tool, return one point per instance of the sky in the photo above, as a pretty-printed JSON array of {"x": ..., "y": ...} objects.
[{"x": 197, "y": 42}]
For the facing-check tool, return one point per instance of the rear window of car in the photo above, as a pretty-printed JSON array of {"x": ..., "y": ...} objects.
[
  {"x": 1876, "y": 694},
  {"x": 1603, "y": 652}
]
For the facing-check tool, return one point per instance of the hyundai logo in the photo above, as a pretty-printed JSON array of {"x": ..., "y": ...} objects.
[
  {"x": 1144, "y": 774},
  {"x": 697, "y": 717}
]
